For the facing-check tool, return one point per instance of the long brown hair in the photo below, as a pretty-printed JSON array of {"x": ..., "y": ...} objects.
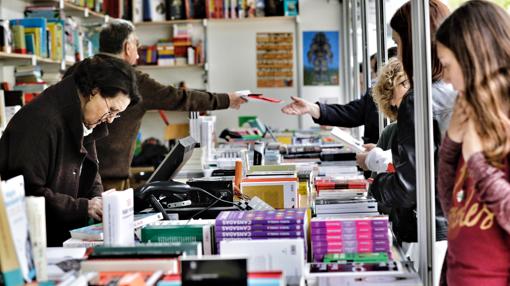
[
  {"x": 401, "y": 24},
  {"x": 478, "y": 34}
]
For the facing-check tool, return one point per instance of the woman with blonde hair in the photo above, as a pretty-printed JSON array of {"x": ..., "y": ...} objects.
[
  {"x": 474, "y": 189},
  {"x": 390, "y": 88}
]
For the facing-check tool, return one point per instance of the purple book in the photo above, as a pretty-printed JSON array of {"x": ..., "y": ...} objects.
[
  {"x": 353, "y": 236},
  {"x": 349, "y": 223},
  {"x": 260, "y": 233},
  {"x": 349, "y": 243},
  {"x": 347, "y": 230},
  {"x": 285, "y": 216},
  {"x": 257, "y": 227}
]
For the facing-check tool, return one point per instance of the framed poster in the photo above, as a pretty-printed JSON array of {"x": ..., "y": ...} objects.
[
  {"x": 320, "y": 58},
  {"x": 275, "y": 59}
]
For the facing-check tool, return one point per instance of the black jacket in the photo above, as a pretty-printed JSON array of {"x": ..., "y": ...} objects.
[
  {"x": 358, "y": 112},
  {"x": 398, "y": 190},
  {"x": 44, "y": 142}
]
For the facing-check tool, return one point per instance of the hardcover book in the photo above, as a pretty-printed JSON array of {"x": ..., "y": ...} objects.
[{"x": 285, "y": 216}]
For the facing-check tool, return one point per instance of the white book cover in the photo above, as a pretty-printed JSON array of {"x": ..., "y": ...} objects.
[
  {"x": 36, "y": 213},
  {"x": 347, "y": 139},
  {"x": 118, "y": 218},
  {"x": 158, "y": 10},
  {"x": 287, "y": 255},
  {"x": 13, "y": 192},
  {"x": 3, "y": 115},
  {"x": 137, "y": 11}
]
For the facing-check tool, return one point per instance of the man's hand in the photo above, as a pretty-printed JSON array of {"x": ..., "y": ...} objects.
[
  {"x": 95, "y": 209},
  {"x": 360, "y": 160},
  {"x": 236, "y": 100},
  {"x": 300, "y": 106},
  {"x": 369, "y": 146}
]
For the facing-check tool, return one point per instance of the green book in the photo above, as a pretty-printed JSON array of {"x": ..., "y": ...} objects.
[
  {"x": 151, "y": 250},
  {"x": 179, "y": 233},
  {"x": 370, "y": 257}
]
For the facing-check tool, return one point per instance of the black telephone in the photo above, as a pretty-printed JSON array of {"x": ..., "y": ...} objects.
[{"x": 160, "y": 194}]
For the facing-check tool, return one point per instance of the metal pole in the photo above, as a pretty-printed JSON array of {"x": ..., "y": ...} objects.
[
  {"x": 355, "y": 61},
  {"x": 367, "y": 77},
  {"x": 425, "y": 191},
  {"x": 382, "y": 54},
  {"x": 348, "y": 52},
  {"x": 297, "y": 56},
  {"x": 343, "y": 53}
]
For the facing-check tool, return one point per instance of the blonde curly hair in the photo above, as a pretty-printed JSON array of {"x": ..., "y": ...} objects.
[{"x": 389, "y": 77}]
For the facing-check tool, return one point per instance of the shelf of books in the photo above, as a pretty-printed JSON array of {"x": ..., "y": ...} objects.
[
  {"x": 170, "y": 22},
  {"x": 73, "y": 8},
  {"x": 268, "y": 18},
  {"x": 162, "y": 67},
  {"x": 16, "y": 58}
]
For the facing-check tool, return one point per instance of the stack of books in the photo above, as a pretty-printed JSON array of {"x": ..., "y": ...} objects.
[
  {"x": 264, "y": 224},
  {"x": 341, "y": 196},
  {"x": 349, "y": 235},
  {"x": 93, "y": 235}
]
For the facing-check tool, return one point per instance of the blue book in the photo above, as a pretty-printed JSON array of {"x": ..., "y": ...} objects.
[
  {"x": 30, "y": 43},
  {"x": 35, "y": 23}
]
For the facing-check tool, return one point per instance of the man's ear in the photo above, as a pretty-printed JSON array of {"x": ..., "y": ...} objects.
[{"x": 95, "y": 91}]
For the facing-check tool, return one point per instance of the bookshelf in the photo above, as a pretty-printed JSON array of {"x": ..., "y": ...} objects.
[
  {"x": 171, "y": 22},
  {"x": 16, "y": 59},
  {"x": 150, "y": 67},
  {"x": 71, "y": 9}
]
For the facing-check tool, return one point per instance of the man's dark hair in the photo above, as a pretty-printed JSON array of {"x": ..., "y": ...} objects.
[
  {"x": 392, "y": 52},
  {"x": 113, "y": 36},
  {"x": 108, "y": 74}
]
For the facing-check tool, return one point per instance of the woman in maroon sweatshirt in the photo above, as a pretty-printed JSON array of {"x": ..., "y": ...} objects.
[{"x": 474, "y": 188}]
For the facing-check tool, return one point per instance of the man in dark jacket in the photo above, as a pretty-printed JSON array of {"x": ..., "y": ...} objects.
[
  {"x": 115, "y": 152},
  {"x": 51, "y": 142},
  {"x": 356, "y": 113}
]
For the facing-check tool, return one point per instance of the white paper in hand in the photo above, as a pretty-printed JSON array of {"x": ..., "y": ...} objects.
[
  {"x": 243, "y": 94},
  {"x": 348, "y": 140}
]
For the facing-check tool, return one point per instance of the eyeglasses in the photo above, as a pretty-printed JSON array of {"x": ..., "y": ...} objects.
[{"x": 110, "y": 114}]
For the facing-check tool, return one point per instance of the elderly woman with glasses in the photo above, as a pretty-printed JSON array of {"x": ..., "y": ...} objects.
[{"x": 51, "y": 142}]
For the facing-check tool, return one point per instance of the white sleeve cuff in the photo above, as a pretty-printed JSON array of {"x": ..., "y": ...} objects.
[{"x": 377, "y": 160}]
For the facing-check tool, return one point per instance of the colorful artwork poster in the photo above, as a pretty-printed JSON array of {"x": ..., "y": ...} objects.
[
  {"x": 275, "y": 59},
  {"x": 320, "y": 58}
]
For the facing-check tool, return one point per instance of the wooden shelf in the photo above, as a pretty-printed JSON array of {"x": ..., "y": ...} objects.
[
  {"x": 15, "y": 59},
  {"x": 254, "y": 19},
  {"x": 200, "y": 21},
  {"x": 71, "y": 9},
  {"x": 168, "y": 23},
  {"x": 168, "y": 67}
]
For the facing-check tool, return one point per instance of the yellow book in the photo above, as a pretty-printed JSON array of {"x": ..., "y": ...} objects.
[{"x": 56, "y": 36}]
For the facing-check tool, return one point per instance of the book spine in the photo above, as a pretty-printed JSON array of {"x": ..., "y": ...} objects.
[
  {"x": 36, "y": 213},
  {"x": 260, "y": 222},
  {"x": 260, "y": 234},
  {"x": 347, "y": 230},
  {"x": 242, "y": 228},
  {"x": 350, "y": 236},
  {"x": 150, "y": 234},
  {"x": 207, "y": 241}
]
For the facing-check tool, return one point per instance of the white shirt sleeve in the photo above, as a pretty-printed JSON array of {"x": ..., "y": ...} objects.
[{"x": 377, "y": 160}]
